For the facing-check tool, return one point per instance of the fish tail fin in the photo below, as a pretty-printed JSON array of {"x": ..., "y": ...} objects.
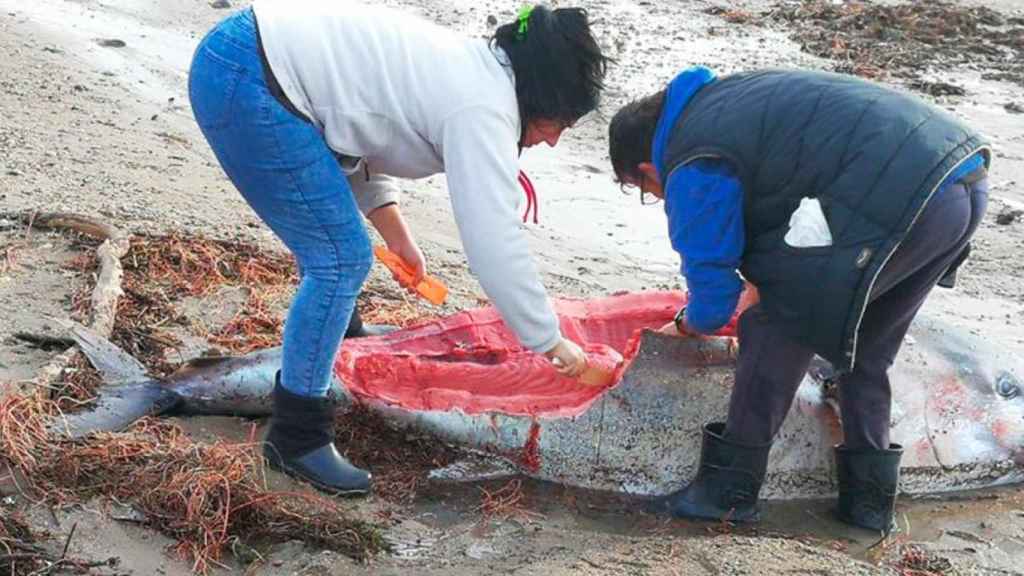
[
  {"x": 113, "y": 363},
  {"x": 116, "y": 408},
  {"x": 128, "y": 392}
]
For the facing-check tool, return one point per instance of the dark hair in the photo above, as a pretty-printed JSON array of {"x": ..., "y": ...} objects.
[
  {"x": 631, "y": 135},
  {"x": 558, "y": 65}
]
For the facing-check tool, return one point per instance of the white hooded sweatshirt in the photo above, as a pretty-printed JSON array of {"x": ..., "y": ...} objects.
[{"x": 412, "y": 99}]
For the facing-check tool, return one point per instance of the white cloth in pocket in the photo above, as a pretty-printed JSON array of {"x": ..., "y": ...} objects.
[{"x": 808, "y": 227}]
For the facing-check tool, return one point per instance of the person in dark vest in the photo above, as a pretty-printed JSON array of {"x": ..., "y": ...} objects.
[{"x": 843, "y": 202}]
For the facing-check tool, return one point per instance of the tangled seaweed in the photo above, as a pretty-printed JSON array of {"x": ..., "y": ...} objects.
[
  {"x": 874, "y": 40},
  {"x": 206, "y": 496},
  {"x": 203, "y": 495},
  {"x": 400, "y": 459},
  {"x": 160, "y": 271},
  {"x": 507, "y": 502},
  {"x": 915, "y": 561}
]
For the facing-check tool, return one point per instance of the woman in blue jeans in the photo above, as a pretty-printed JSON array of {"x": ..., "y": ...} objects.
[{"x": 312, "y": 107}]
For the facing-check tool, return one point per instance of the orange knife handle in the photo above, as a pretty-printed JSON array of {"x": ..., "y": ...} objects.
[{"x": 430, "y": 288}]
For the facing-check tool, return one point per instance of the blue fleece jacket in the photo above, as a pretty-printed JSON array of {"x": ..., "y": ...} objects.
[{"x": 704, "y": 205}]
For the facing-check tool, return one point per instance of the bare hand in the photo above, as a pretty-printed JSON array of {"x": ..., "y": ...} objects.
[
  {"x": 410, "y": 252},
  {"x": 748, "y": 298},
  {"x": 389, "y": 222},
  {"x": 568, "y": 358},
  {"x": 671, "y": 329}
]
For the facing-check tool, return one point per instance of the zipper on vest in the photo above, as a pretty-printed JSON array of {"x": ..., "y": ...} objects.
[{"x": 860, "y": 317}]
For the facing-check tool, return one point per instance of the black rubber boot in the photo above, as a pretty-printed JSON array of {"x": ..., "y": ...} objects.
[
  {"x": 868, "y": 483},
  {"x": 727, "y": 483},
  {"x": 356, "y": 328},
  {"x": 300, "y": 443}
]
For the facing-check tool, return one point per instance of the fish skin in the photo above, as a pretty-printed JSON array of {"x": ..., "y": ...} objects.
[
  {"x": 961, "y": 408},
  {"x": 643, "y": 436},
  {"x": 215, "y": 386}
]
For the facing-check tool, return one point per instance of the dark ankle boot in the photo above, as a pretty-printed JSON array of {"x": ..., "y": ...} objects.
[
  {"x": 727, "y": 483},
  {"x": 356, "y": 328},
  {"x": 868, "y": 482},
  {"x": 300, "y": 443}
]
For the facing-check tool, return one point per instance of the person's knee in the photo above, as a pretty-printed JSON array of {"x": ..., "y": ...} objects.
[
  {"x": 362, "y": 260},
  {"x": 355, "y": 257},
  {"x": 346, "y": 262}
]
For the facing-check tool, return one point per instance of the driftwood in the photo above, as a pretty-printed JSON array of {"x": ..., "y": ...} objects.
[
  {"x": 44, "y": 341},
  {"x": 108, "y": 281}
]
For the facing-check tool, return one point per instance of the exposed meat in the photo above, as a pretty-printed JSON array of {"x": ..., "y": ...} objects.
[{"x": 472, "y": 362}]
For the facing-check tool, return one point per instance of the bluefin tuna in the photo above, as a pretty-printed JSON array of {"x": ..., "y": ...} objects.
[{"x": 958, "y": 403}]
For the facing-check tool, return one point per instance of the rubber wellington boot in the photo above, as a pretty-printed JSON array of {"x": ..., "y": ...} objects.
[
  {"x": 300, "y": 443},
  {"x": 727, "y": 483},
  {"x": 868, "y": 482},
  {"x": 356, "y": 328}
]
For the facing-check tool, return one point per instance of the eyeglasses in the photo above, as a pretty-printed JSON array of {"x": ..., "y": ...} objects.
[{"x": 646, "y": 198}]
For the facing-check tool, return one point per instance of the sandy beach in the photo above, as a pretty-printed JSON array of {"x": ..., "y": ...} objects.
[{"x": 103, "y": 128}]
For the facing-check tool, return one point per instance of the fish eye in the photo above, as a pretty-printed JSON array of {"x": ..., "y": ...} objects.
[{"x": 1007, "y": 386}]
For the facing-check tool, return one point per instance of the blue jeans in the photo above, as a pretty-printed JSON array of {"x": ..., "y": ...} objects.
[{"x": 290, "y": 178}]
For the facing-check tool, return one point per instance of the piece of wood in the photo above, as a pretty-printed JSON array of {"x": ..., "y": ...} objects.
[
  {"x": 44, "y": 340},
  {"x": 108, "y": 289},
  {"x": 108, "y": 282}
]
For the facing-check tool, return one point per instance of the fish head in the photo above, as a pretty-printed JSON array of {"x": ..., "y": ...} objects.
[
  {"x": 1007, "y": 418},
  {"x": 975, "y": 408}
]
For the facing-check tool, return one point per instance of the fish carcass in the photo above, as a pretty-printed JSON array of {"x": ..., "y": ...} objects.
[{"x": 958, "y": 404}]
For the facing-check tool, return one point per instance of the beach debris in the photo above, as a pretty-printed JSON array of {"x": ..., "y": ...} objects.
[
  {"x": 505, "y": 503},
  {"x": 204, "y": 495},
  {"x": 937, "y": 88},
  {"x": 916, "y": 561},
  {"x": 731, "y": 15},
  {"x": 904, "y": 40},
  {"x": 21, "y": 554},
  {"x": 1009, "y": 216}
]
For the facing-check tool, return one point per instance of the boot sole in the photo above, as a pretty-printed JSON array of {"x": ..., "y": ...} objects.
[
  {"x": 849, "y": 521},
  {"x": 661, "y": 507},
  {"x": 297, "y": 475},
  {"x": 752, "y": 519}
]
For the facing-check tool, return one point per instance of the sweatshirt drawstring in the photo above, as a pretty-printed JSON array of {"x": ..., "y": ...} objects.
[{"x": 531, "y": 196}]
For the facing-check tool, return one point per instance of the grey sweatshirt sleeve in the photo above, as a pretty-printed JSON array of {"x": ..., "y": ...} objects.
[
  {"x": 481, "y": 164},
  {"x": 373, "y": 193}
]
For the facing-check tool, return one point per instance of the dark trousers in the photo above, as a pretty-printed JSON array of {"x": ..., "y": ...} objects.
[{"x": 771, "y": 366}]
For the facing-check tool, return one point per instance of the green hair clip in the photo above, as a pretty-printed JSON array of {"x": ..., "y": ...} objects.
[{"x": 524, "y": 21}]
